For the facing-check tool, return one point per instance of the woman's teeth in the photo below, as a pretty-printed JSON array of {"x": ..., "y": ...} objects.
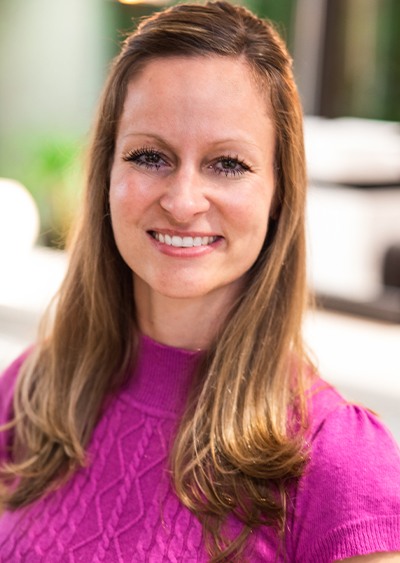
[{"x": 183, "y": 242}]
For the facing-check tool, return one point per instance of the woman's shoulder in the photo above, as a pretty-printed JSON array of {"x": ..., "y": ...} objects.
[
  {"x": 333, "y": 420},
  {"x": 348, "y": 500},
  {"x": 350, "y": 443}
]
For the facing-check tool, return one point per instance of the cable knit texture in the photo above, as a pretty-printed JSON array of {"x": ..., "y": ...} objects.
[{"x": 122, "y": 508}]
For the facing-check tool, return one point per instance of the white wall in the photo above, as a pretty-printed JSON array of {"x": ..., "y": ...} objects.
[{"x": 52, "y": 55}]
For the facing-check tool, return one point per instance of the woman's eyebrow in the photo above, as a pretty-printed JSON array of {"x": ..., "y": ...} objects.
[{"x": 242, "y": 140}]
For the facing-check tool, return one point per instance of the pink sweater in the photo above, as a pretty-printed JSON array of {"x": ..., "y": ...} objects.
[{"x": 122, "y": 508}]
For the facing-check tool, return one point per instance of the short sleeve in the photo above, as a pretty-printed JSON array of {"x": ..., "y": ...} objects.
[{"x": 348, "y": 500}]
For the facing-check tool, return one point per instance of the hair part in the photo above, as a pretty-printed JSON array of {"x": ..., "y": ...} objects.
[{"x": 234, "y": 452}]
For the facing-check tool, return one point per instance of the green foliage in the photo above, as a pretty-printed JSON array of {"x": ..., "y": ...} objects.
[
  {"x": 50, "y": 167},
  {"x": 279, "y": 11}
]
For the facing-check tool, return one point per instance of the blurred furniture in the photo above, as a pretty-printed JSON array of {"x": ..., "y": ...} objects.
[{"x": 354, "y": 215}]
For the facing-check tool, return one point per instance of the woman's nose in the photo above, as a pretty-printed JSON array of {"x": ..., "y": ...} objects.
[{"x": 185, "y": 197}]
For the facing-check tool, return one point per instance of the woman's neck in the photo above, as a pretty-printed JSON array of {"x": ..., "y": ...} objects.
[{"x": 191, "y": 324}]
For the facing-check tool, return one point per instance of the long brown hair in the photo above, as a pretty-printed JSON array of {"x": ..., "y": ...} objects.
[{"x": 234, "y": 451}]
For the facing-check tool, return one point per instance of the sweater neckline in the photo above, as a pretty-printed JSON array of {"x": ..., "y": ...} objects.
[{"x": 162, "y": 375}]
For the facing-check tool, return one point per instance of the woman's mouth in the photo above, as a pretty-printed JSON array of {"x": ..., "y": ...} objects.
[{"x": 183, "y": 241}]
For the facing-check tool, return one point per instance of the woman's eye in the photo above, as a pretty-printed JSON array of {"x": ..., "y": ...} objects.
[
  {"x": 147, "y": 158},
  {"x": 230, "y": 166}
]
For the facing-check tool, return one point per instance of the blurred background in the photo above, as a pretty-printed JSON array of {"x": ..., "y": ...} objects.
[{"x": 54, "y": 58}]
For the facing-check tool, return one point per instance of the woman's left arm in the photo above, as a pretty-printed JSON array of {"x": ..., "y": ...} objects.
[{"x": 348, "y": 500}]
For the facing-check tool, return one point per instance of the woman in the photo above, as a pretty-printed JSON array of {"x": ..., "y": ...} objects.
[{"x": 170, "y": 412}]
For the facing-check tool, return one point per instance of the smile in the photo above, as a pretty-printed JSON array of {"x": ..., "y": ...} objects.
[{"x": 183, "y": 242}]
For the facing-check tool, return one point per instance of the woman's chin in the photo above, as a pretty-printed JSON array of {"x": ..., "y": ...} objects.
[{"x": 184, "y": 289}]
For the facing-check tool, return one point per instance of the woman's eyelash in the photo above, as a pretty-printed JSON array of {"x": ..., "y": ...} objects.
[
  {"x": 146, "y": 156},
  {"x": 230, "y": 166}
]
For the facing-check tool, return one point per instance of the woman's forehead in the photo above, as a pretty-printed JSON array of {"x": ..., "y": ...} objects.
[
  {"x": 212, "y": 97},
  {"x": 228, "y": 77}
]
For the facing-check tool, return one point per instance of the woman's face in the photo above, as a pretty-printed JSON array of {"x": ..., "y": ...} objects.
[{"x": 193, "y": 177}]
